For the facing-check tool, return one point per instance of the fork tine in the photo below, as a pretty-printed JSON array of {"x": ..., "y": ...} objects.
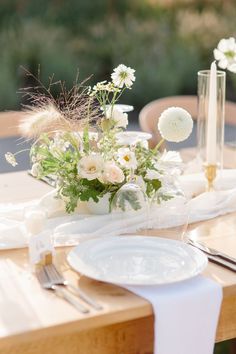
[
  {"x": 46, "y": 283},
  {"x": 42, "y": 278},
  {"x": 53, "y": 275},
  {"x": 57, "y": 278}
]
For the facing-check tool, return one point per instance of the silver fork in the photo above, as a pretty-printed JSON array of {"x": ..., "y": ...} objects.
[
  {"x": 46, "y": 283},
  {"x": 57, "y": 279}
]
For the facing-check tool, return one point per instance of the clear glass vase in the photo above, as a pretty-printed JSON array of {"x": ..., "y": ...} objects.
[{"x": 203, "y": 112}]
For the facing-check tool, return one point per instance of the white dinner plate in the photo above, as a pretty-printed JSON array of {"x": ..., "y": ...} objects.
[{"x": 137, "y": 260}]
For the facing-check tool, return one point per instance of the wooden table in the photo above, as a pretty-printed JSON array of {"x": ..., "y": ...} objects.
[{"x": 34, "y": 321}]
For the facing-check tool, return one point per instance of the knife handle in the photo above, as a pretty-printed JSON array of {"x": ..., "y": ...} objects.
[{"x": 223, "y": 262}]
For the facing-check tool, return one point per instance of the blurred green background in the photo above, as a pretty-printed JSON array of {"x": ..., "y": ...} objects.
[{"x": 166, "y": 41}]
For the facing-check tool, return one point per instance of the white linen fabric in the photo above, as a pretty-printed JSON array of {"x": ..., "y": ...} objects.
[
  {"x": 195, "y": 183},
  {"x": 70, "y": 229},
  {"x": 186, "y": 315}
]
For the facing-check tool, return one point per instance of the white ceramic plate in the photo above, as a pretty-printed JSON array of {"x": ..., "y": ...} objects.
[{"x": 137, "y": 260}]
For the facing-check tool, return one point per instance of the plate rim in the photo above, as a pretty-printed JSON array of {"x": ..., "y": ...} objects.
[{"x": 134, "y": 236}]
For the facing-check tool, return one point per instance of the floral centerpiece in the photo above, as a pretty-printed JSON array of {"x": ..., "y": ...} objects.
[{"x": 77, "y": 141}]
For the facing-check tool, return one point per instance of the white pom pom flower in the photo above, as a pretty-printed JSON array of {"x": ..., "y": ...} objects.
[{"x": 175, "y": 124}]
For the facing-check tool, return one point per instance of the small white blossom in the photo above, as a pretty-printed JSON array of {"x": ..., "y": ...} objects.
[
  {"x": 126, "y": 158},
  {"x": 104, "y": 86},
  {"x": 140, "y": 182},
  {"x": 91, "y": 166},
  {"x": 58, "y": 143},
  {"x": 120, "y": 118},
  {"x": 225, "y": 54},
  {"x": 10, "y": 158},
  {"x": 153, "y": 174},
  {"x": 36, "y": 169},
  {"x": 112, "y": 173},
  {"x": 123, "y": 76},
  {"x": 175, "y": 124}
]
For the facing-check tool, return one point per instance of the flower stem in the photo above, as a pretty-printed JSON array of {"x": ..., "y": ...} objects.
[{"x": 158, "y": 145}]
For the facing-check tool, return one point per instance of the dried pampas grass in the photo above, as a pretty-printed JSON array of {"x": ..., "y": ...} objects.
[
  {"x": 71, "y": 110},
  {"x": 38, "y": 120}
]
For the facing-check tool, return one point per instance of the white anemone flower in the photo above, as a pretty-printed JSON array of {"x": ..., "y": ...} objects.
[
  {"x": 10, "y": 158},
  {"x": 120, "y": 118},
  {"x": 126, "y": 158},
  {"x": 123, "y": 76},
  {"x": 91, "y": 166},
  {"x": 225, "y": 54},
  {"x": 112, "y": 173},
  {"x": 175, "y": 124}
]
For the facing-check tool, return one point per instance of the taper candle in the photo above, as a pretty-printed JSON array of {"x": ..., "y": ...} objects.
[{"x": 212, "y": 118}]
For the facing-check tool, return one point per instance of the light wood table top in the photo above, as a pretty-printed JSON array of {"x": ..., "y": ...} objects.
[{"x": 35, "y": 321}]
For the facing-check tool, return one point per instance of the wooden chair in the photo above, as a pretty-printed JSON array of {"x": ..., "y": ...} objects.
[
  {"x": 149, "y": 115},
  {"x": 9, "y": 122}
]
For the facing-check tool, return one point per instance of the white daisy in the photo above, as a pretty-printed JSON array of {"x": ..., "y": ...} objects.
[
  {"x": 126, "y": 158},
  {"x": 123, "y": 75},
  {"x": 225, "y": 54},
  {"x": 175, "y": 124}
]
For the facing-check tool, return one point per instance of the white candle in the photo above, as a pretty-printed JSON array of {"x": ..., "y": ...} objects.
[{"x": 212, "y": 118}]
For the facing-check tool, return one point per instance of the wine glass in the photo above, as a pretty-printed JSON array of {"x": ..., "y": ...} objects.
[
  {"x": 169, "y": 213},
  {"x": 130, "y": 204}
]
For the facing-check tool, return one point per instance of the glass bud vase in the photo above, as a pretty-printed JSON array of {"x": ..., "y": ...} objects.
[{"x": 203, "y": 111}]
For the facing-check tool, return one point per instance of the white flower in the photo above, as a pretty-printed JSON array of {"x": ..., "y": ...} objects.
[
  {"x": 127, "y": 158},
  {"x": 171, "y": 156},
  {"x": 36, "y": 169},
  {"x": 153, "y": 174},
  {"x": 58, "y": 144},
  {"x": 225, "y": 54},
  {"x": 175, "y": 124},
  {"x": 91, "y": 166},
  {"x": 123, "y": 75},
  {"x": 140, "y": 182},
  {"x": 120, "y": 118},
  {"x": 112, "y": 173},
  {"x": 10, "y": 158}
]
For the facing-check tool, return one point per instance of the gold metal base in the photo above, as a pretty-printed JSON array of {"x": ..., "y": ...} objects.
[{"x": 210, "y": 173}]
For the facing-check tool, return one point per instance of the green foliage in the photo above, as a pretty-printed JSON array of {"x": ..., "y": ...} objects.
[
  {"x": 129, "y": 198},
  {"x": 165, "y": 44}
]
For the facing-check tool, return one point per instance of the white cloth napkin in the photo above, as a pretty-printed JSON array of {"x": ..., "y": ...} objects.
[
  {"x": 186, "y": 315},
  {"x": 71, "y": 229},
  {"x": 195, "y": 183}
]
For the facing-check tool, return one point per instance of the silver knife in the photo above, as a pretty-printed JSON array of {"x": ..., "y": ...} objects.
[
  {"x": 211, "y": 251},
  {"x": 221, "y": 261}
]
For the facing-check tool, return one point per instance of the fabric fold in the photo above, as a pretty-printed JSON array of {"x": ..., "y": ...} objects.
[{"x": 186, "y": 315}]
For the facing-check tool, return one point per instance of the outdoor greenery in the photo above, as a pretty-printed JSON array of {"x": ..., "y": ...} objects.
[{"x": 165, "y": 41}]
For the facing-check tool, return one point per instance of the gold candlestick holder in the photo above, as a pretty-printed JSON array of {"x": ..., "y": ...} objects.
[{"x": 210, "y": 173}]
